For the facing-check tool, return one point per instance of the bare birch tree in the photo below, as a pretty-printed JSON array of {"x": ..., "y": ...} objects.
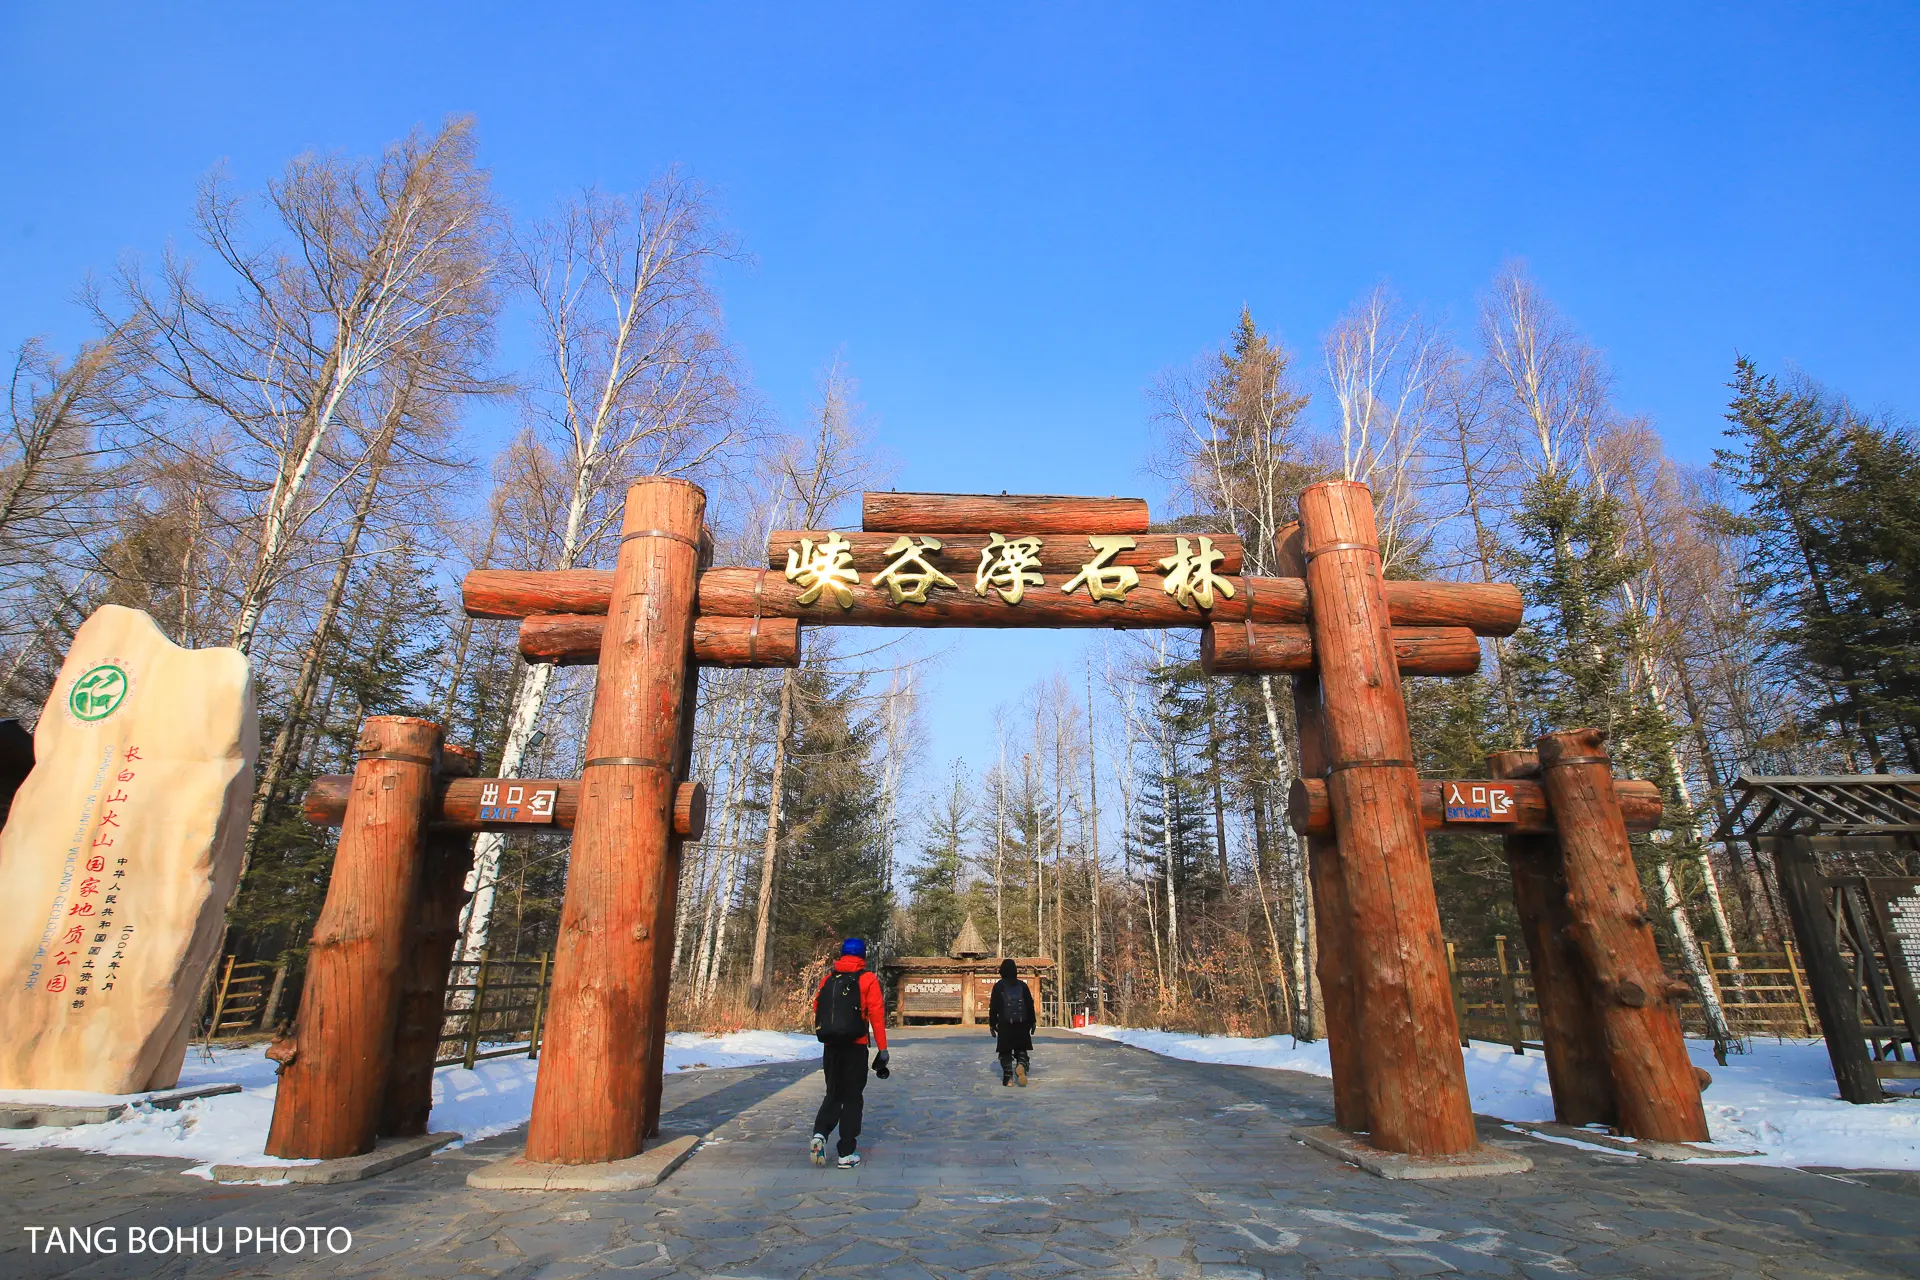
[{"x": 635, "y": 380}]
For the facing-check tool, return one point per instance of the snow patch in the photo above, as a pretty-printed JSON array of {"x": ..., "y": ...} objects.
[
  {"x": 1778, "y": 1099},
  {"x": 497, "y": 1095}
]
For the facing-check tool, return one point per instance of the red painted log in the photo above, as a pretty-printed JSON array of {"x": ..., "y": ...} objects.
[
  {"x": 1416, "y": 1081},
  {"x": 1310, "y": 808},
  {"x": 959, "y": 553},
  {"x": 690, "y": 811},
  {"x": 457, "y": 804},
  {"x": 1254, "y": 648},
  {"x": 740, "y": 593},
  {"x": 573, "y": 640},
  {"x": 432, "y": 932},
  {"x": 1654, "y": 1083},
  {"x": 1489, "y": 609},
  {"x": 1570, "y": 1029},
  {"x": 521, "y": 593},
  {"x": 1332, "y": 912},
  {"x": 589, "y": 1105},
  {"x": 1009, "y": 514},
  {"x": 334, "y": 1068},
  {"x": 689, "y": 817}
]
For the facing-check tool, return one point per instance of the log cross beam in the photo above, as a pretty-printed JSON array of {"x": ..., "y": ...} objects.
[
  {"x": 1490, "y": 609},
  {"x": 461, "y": 805},
  {"x": 1310, "y": 808}
]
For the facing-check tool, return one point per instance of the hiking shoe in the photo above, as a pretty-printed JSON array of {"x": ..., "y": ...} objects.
[
  {"x": 850, "y": 1161},
  {"x": 1006, "y": 1078},
  {"x": 1020, "y": 1074},
  {"x": 817, "y": 1150}
]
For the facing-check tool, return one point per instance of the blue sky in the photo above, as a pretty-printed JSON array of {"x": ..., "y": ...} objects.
[{"x": 1009, "y": 218}]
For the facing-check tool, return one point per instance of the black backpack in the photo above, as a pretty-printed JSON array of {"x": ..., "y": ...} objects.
[
  {"x": 1017, "y": 1007},
  {"x": 837, "y": 1018}
]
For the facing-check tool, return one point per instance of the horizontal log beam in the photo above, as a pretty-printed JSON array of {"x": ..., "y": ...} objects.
[
  {"x": 1311, "y": 814},
  {"x": 1484, "y": 608},
  {"x": 1256, "y": 648},
  {"x": 573, "y": 640},
  {"x": 732, "y": 592},
  {"x": 521, "y": 593},
  {"x": 959, "y": 553},
  {"x": 457, "y": 804},
  {"x": 1000, "y": 513}
]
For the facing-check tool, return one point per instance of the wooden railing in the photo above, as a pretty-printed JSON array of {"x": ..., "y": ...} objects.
[
  {"x": 1762, "y": 993},
  {"x": 238, "y": 999},
  {"x": 494, "y": 1009}
]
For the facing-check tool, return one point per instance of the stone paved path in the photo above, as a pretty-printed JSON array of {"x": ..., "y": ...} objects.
[{"x": 1114, "y": 1163}]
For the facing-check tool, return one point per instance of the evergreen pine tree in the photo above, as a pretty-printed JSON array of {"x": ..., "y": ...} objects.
[
  {"x": 831, "y": 881},
  {"x": 1834, "y": 520}
]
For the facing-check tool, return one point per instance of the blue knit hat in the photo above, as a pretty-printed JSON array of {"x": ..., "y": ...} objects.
[{"x": 854, "y": 947}]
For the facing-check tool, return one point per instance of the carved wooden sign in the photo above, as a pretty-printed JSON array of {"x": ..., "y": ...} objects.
[
  {"x": 516, "y": 802},
  {"x": 1479, "y": 802}
]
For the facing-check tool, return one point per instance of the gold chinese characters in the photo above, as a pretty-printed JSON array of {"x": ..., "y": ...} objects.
[
  {"x": 910, "y": 577},
  {"x": 1008, "y": 566},
  {"x": 1190, "y": 576},
  {"x": 828, "y": 567},
  {"x": 1103, "y": 580}
]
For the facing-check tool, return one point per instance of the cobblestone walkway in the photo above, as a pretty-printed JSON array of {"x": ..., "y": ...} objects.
[{"x": 1113, "y": 1163}]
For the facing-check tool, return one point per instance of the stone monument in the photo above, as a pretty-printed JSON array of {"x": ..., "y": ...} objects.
[{"x": 119, "y": 856}]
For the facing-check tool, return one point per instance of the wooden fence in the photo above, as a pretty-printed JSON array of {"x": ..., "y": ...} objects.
[
  {"x": 1763, "y": 993},
  {"x": 238, "y": 999},
  {"x": 495, "y": 1009}
]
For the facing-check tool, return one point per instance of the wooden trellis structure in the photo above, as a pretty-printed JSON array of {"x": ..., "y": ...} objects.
[
  {"x": 1860, "y": 934},
  {"x": 1333, "y": 620}
]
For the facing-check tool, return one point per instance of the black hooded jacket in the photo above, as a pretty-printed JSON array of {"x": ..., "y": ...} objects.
[{"x": 997, "y": 1004}]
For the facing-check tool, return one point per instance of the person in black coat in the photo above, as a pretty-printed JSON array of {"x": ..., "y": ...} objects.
[{"x": 1011, "y": 1017}]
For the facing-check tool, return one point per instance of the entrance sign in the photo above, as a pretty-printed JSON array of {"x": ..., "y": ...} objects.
[
  {"x": 1479, "y": 802},
  {"x": 119, "y": 856}
]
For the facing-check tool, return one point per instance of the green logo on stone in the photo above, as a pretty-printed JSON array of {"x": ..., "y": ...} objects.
[{"x": 98, "y": 694}]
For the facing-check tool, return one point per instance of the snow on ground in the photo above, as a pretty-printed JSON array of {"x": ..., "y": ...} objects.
[
  {"x": 497, "y": 1095},
  {"x": 1778, "y": 1099}
]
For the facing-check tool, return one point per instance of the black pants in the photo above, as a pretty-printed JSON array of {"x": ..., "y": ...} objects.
[
  {"x": 1013, "y": 1044},
  {"x": 845, "y": 1067}
]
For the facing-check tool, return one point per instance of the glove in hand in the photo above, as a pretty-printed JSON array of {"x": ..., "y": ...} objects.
[{"x": 880, "y": 1068}]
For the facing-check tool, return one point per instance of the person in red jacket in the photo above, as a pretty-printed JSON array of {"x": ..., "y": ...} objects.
[{"x": 848, "y": 1003}]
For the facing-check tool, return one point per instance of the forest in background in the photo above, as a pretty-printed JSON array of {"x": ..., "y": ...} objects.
[{"x": 270, "y": 444}]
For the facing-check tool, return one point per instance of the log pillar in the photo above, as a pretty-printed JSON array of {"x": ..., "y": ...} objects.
[
  {"x": 334, "y": 1068},
  {"x": 590, "y": 1102},
  {"x": 1416, "y": 1080},
  {"x": 1655, "y": 1087},
  {"x": 1563, "y": 985},
  {"x": 1332, "y": 914},
  {"x": 669, "y": 921},
  {"x": 432, "y": 934}
]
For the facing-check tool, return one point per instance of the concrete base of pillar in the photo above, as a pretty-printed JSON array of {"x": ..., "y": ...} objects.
[
  {"x": 1483, "y": 1161},
  {"x": 388, "y": 1153},
  {"x": 1633, "y": 1146},
  {"x": 660, "y": 1157}
]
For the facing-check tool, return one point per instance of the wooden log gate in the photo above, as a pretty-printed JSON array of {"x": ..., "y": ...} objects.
[{"x": 1344, "y": 632}]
